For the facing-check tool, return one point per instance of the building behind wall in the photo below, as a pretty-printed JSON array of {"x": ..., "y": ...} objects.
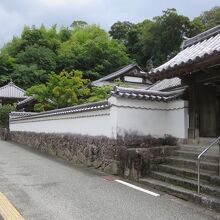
[
  {"x": 198, "y": 67},
  {"x": 130, "y": 76},
  {"x": 10, "y": 94}
]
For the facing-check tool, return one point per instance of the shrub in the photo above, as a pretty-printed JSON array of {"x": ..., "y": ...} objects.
[{"x": 4, "y": 115}]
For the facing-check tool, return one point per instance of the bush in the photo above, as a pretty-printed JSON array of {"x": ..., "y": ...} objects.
[{"x": 4, "y": 115}]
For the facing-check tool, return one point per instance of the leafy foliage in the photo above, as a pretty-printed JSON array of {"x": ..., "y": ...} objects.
[
  {"x": 80, "y": 24},
  {"x": 120, "y": 30},
  {"x": 90, "y": 50},
  {"x": 43, "y": 57},
  {"x": 66, "y": 89},
  {"x": 85, "y": 47},
  {"x": 27, "y": 75},
  {"x": 210, "y": 18},
  {"x": 7, "y": 66},
  {"x": 156, "y": 40},
  {"x": 4, "y": 115},
  {"x": 99, "y": 93}
]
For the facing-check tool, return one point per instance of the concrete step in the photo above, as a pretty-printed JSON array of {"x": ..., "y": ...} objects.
[
  {"x": 187, "y": 163},
  {"x": 207, "y": 177},
  {"x": 201, "y": 141},
  {"x": 186, "y": 194},
  {"x": 186, "y": 183},
  {"x": 158, "y": 160},
  {"x": 193, "y": 155},
  {"x": 214, "y": 150}
]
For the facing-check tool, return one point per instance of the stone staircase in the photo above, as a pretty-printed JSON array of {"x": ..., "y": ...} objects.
[{"x": 178, "y": 176}]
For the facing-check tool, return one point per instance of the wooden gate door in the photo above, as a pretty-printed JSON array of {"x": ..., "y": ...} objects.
[{"x": 208, "y": 111}]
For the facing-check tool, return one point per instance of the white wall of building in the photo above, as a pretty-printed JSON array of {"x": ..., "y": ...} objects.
[
  {"x": 178, "y": 119},
  {"x": 133, "y": 79},
  {"x": 94, "y": 123},
  {"x": 125, "y": 116}
]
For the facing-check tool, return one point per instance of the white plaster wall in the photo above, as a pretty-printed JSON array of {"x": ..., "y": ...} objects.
[
  {"x": 178, "y": 120},
  {"x": 125, "y": 116},
  {"x": 151, "y": 118},
  {"x": 94, "y": 123},
  {"x": 133, "y": 79}
]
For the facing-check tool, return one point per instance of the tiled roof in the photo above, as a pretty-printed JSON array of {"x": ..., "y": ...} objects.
[
  {"x": 125, "y": 84},
  {"x": 166, "y": 84},
  {"x": 12, "y": 91},
  {"x": 21, "y": 114},
  {"x": 25, "y": 101},
  {"x": 146, "y": 94},
  {"x": 118, "y": 73},
  {"x": 194, "y": 50},
  {"x": 68, "y": 110}
]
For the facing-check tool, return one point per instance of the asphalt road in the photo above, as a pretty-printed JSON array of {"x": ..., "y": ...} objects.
[{"x": 46, "y": 188}]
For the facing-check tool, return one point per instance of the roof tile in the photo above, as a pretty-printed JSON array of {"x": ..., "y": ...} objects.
[
  {"x": 146, "y": 94},
  {"x": 12, "y": 91}
]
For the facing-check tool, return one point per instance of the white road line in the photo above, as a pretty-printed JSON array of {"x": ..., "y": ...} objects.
[{"x": 137, "y": 188}]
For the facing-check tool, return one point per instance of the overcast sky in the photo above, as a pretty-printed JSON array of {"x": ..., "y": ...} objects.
[{"x": 14, "y": 14}]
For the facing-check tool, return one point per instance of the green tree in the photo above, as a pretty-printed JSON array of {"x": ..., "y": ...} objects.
[
  {"x": 26, "y": 76},
  {"x": 64, "y": 34},
  {"x": 5, "y": 110},
  {"x": 161, "y": 38},
  {"x": 171, "y": 28},
  {"x": 120, "y": 30},
  {"x": 43, "y": 57},
  {"x": 210, "y": 18},
  {"x": 41, "y": 50},
  {"x": 99, "y": 93},
  {"x": 92, "y": 51},
  {"x": 141, "y": 42},
  {"x": 65, "y": 89},
  {"x": 79, "y": 24},
  {"x": 196, "y": 27},
  {"x": 31, "y": 57},
  {"x": 7, "y": 66},
  {"x": 41, "y": 37}
]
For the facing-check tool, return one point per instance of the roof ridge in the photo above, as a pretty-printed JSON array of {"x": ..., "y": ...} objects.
[
  {"x": 71, "y": 109},
  {"x": 129, "y": 66},
  {"x": 144, "y": 91},
  {"x": 154, "y": 84},
  {"x": 165, "y": 84},
  {"x": 22, "y": 90},
  {"x": 141, "y": 94},
  {"x": 201, "y": 37},
  {"x": 12, "y": 84}
]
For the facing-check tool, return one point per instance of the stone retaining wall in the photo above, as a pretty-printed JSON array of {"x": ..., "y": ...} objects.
[
  {"x": 4, "y": 133},
  {"x": 130, "y": 157}
]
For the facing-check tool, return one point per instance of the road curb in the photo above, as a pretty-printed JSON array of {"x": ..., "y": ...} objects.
[{"x": 7, "y": 210}]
